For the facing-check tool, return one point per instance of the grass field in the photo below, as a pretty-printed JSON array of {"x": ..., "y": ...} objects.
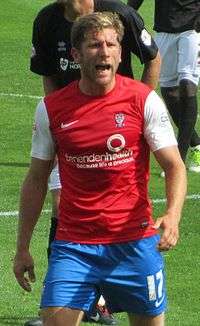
[{"x": 19, "y": 93}]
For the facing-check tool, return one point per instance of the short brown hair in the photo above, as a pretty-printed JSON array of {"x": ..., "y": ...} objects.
[{"x": 96, "y": 21}]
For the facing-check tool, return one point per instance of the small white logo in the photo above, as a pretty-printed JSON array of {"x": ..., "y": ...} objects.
[
  {"x": 33, "y": 52},
  {"x": 159, "y": 302},
  {"x": 95, "y": 318},
  {"x": 164, "y": 120},
  {"x": 66, "y": 125},
  {"x": 146, "y": 37},
  {"x": 61, "y": 46},
  {"x": 64, "y": 64}
]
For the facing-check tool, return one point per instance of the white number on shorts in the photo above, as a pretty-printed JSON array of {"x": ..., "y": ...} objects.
[{"x": 155, "y": 288}]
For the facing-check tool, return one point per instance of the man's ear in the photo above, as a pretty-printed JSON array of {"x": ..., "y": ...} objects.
[
  {"x": 120, "y": 60},
  {"x": 75, "y": 54}
]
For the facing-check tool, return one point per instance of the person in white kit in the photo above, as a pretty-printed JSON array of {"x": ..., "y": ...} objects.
[{"x": 177, "y": 26}]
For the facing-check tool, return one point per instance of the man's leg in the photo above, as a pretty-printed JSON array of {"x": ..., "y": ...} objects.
[
  {"x": 172, "y": 100},
  {"x": 59, "y": 316},
  {"x": 140, "y": 320},
  {"x": 188, "y": 115}
]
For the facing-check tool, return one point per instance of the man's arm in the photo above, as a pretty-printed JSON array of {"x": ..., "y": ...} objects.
[
  {"x": 50, "y": 84},
  {"x": 160, "y": 136},
  {"x": 151, "y": 71},
  {"x": 32, "y": 197},
  {"x": 176, "y": 183}
]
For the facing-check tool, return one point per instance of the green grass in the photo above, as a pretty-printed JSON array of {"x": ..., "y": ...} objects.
[{"x": 16, "y": 117}]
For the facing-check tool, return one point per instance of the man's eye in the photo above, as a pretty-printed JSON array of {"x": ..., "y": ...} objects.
[{"x": 94, "y": 45}]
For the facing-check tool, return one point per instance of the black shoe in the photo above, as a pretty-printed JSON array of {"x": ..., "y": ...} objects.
[
  {"x": 34, "y": 322},
  {"x": 100, "y": 316}
]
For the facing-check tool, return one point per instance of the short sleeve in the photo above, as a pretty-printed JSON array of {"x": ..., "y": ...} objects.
[
  {"x": 141, "y": 42},
  {"x": 158, "y": 130},
  {"x": 43, "y": 146},
  {"x": 41, "y": 60}
]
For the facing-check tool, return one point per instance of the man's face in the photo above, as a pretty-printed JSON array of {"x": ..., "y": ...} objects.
[{"x": 99, "y": 57}]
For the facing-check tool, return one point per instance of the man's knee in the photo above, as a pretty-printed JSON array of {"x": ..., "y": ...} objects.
[
  {"x": 170, "y": 92},
  {"x": 60, "y": 316},
  {"x": 187, "y": 88},
  {"x": 144, "y": 320}
]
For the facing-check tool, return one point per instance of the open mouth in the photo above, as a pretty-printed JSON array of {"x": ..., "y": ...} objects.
[{"x": 103, "y": 67}]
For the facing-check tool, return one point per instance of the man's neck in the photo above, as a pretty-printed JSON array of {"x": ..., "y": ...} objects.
[
  {"x": 87, "y": 7},
  {"x": 92, "y": 89}
]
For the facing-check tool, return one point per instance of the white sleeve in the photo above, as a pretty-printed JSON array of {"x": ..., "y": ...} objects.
[
  {"x": 158, "y": 130},
  {"x": 43, "y": 146},
  {"x": 54, "y": 179}
]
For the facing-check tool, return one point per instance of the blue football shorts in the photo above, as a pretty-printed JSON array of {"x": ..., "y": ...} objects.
[{"x": 129, "y": 275}]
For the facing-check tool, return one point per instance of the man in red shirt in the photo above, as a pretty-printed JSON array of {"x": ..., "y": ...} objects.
[
  {"x": 102, "y": 129},
  {"x": 51, "y": 57}
]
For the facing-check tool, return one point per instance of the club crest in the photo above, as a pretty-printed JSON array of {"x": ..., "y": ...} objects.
[
  {"x": 64, "y": 64},
  {"x": 119, "y": 119}
]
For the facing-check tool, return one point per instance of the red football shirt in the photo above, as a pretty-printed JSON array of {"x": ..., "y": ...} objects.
[{"x": 103, "y": 163}]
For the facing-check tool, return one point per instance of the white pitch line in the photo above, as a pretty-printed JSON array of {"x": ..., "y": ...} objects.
[
  {"x": 156, "y": 201},
  {"x": 15, "y": 213},
  {"x": 32, "y": 97},
  {"x": 20, "y": 95}
]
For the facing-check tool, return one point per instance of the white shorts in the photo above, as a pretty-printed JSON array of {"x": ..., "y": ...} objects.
[
  {"x": 54, "y": 179},
  {"x": 180, "y": 55}
]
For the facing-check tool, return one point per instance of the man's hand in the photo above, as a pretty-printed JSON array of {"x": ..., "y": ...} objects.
[
  {"x": 170, "y": 234},
  {"x": 24, "y": 270}
]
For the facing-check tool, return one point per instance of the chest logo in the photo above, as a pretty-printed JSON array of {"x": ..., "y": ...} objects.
[
  {"x": 119, "y": 119},
  {"x": 66, "y": 125},
  {"x": 146, "y": 37},
  {"x": 64, "y": 63}
]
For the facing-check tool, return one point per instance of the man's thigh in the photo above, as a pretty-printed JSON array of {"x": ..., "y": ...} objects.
[
  {"x": 129, "y": 275},
  {"x": 136, "y": 284},
  {"x": 70, "y": 280},
  {"x": 188, "y": 50},
  {"x": 167, "y": 44}
]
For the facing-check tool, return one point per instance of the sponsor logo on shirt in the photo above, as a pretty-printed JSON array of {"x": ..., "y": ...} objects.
[
  {"x": 61, "y": 46},
  {"x": 116, "y": 143},
  {"x": 146, "y": 37},
  {"x": 118, "y": 156}
]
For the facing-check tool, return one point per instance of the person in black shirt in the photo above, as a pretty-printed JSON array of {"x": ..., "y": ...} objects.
[
  {"x": 177, "y": 23},
  {"x": 51, "y": 58},
  {"x": 51, "y": 55}
]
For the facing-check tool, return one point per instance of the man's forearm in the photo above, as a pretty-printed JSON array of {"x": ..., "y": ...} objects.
[
  {"x": 151, "y": 72},
  {"x": 175, "y": 179},
  {"x": 176, "y": 187},
  {"x": 32, "y": 198}
]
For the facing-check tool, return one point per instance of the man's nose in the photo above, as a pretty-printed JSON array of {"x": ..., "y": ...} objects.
[{"x": 104, "y": 50}]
